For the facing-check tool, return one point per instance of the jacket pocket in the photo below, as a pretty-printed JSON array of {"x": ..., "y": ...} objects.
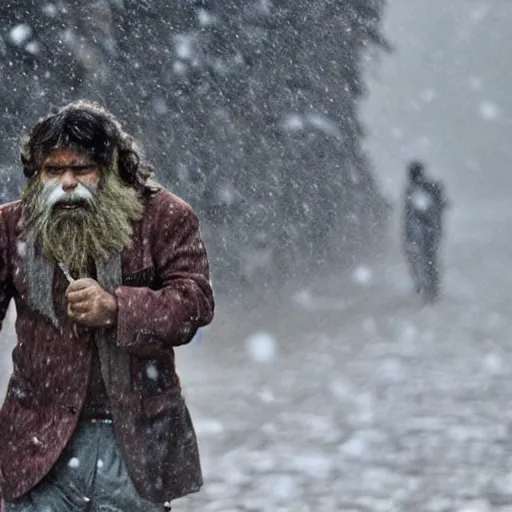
[
  {"x": 163, "y": 456},
  {"x": 152, "y": 376}
]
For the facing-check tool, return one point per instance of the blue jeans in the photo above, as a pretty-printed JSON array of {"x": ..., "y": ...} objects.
[{"x": 90, "y": 476}]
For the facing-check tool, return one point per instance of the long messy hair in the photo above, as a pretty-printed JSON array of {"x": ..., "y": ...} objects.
[{"x": 86, "y": 126}]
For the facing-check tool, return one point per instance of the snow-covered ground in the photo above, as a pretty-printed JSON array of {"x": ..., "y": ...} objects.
[{"x": 352, "y": 396}]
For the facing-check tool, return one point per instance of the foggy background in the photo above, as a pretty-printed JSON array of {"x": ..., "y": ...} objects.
[
  {"x": 341, "y": 392},
  {"x": 444, "y": 96}
]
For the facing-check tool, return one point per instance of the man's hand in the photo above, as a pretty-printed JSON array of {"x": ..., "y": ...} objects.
[{"x": 89, "y": 304}]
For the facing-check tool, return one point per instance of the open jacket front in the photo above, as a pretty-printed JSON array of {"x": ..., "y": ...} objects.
[{"x": 163, "y": 298}]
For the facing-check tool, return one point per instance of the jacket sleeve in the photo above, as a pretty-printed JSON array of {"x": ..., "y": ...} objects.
[
  {"x": 5, "y": 272},
  {"x": 184, "y": 302}
]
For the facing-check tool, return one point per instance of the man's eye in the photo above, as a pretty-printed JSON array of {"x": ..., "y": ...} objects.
[
  {"x": 53, "y": 170},
  {"x": 84, "y": 169}
]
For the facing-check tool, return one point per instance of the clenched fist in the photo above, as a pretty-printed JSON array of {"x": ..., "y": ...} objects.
[{"x": 89, "y": 304}]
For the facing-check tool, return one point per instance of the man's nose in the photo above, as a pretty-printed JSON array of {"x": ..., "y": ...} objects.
[{"x": 68, "y": 180}]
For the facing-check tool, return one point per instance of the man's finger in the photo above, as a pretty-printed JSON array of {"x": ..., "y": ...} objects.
[
  {"x": 79, "y": 295},
  {"x": 79, "y": 307},
  {"x": 79, "y": 317},
  {"x": 80, "y": 284},
  {"x": 71, "y": 313}
]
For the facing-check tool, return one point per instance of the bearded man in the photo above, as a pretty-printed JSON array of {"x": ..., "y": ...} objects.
[{"x": 109, "y": 273}]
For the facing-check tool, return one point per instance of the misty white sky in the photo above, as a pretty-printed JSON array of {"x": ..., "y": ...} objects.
[{"x": 444, "y": 95}]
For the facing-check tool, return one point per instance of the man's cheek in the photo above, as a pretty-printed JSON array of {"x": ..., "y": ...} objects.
[
  {"x": 89, "y": 187},
  {"x": 52, "y": 192}
]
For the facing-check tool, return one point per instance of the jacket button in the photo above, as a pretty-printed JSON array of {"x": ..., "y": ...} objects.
[{"x": 73, "y": 410}]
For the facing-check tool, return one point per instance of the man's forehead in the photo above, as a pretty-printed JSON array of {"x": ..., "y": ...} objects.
[{"x": 67, "y": 156}]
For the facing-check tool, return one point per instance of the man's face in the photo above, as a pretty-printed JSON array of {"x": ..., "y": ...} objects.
[
  {"x": 70, "y": 179},
  {"x": 78, "y": 210}
]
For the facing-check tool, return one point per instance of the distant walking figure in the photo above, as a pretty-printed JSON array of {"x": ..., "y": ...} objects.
[{"x": 425, "y": 203}]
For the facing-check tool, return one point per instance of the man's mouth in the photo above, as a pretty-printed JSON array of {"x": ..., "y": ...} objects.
[{"x": 70, "y": 206}]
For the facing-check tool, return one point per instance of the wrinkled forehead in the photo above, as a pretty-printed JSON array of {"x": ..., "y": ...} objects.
[{"x": 62, "y": 157}]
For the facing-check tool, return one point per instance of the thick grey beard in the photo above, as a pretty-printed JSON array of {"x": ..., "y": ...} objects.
[{"x": 89, "y": 233}]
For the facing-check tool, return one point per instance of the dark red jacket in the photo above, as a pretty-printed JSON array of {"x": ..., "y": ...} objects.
[{"x": 164, "y": 297}]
